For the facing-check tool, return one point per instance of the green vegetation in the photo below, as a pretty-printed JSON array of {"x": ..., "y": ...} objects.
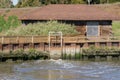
[
  {"x": 12, "y": 27},
  {"x": 113, "y": 1},
  {"x": 42, "y": 29},
  {"x": 28, "y": 3},
  {"x": 37, "y": 3},
  {"x": 11, "y": 22},
  {"x": 76, "y": 56},
  {"x": 20, "y": 54},
  {"x": 116, "y": 28},
  {"x": 100, "y": 51},
  {"x": 91, "y": 52},
  {"x": 6, "y": 4},
  {"x": 33, "y": 3}
]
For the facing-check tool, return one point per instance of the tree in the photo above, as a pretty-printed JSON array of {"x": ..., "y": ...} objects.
[
  {"x": 34, "y": 3},
  {"x": 77, "y": 1},
  {"x": 107, "y": 1},
  {"x": 113, "y": 1},
  {"x": 55, "y": 1},
  {"x": 11, "y": 22},
  {"x": 95, "y": 1},
  {"x": 2, "y": 23},
  {"x": 28, "y": 3},
  {"x": 6, "y": 4}
]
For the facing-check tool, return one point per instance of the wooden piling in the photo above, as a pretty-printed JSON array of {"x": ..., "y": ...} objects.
[
  {"x": 85, "y": 57},
  {"x": 97, "y": 58},
  {"x": 109, "y": 58}
]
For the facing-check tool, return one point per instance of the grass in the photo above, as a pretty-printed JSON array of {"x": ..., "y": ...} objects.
[
  {"x": 116, "y": 28},
  {"x": 92, "y": 50},
  {"x": 41, "y": 29},
  {"x": 20, "y": 54}
]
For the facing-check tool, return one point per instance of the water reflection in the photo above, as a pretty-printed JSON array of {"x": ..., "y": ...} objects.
[{"x": 60, "y": 70}]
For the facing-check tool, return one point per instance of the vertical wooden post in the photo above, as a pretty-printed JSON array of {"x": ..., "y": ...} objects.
[
  {"x": 1, "y": 47},
  {"x": 10, "y": 47},
  {"x": 97, "y": 44},
  {"x": 119, "y": 45},
  {"x": 109, "y": 58},
  {"x": 86, "y": 45},
  {"x": 119, "y": 57},
  {"x": 109, "y": 44},
  {"x": 85, "y": 57},
  {"x": 17, "y": 40},
  {"x": 97, "y": 58},
  {"x": 42, "y": 46},
  {"x": 32, "y": 39},
  {"x": 73, "y": 48},
  {"x": 2, "y": 39},
  {"x": 21, "y": 45},
  {"x": 49, "y": 41},
  {"x": 31, "y": 45}
]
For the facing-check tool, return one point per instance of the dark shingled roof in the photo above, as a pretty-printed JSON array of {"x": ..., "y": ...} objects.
[{"x": 69, "y": 12}]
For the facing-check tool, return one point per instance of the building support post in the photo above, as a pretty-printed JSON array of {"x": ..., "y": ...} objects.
[
  {"x": 109, "y": 58},
  {"x": 31, "y": 45},
  {"x": 97, "y": 58},
  {"x": 97, "y": 44},
  {"x": 21, "y": 46},
  {"x": 109, "y": 44},
  {"x": 1, "y": 48},
  {"x": 85, "y": 57}
]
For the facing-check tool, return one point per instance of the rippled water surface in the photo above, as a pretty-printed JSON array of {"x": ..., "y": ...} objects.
[{"x": 60, "y": 70}]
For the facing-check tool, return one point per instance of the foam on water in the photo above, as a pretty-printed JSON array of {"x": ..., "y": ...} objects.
[
  {"x": 63, "y": 64},
  {"x": 44, "y": 65}
]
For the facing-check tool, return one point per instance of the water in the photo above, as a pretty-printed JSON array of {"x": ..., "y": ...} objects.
[{"x": 60, "y": 70}]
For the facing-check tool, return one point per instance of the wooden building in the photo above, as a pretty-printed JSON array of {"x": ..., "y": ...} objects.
[{"x": 89, "y": 20}]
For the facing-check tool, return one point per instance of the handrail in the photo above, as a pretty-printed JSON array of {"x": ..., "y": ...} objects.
[{"x": 38, "y": 39}]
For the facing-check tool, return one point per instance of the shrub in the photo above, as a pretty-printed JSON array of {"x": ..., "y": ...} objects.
[
  {"x": 101, "y": 51},
  {"x": 116, "y": 28},
  {"x": 42, "y": 29},
  {"x": 11, "y": 22},
  {"x": 2, "y": 23}
]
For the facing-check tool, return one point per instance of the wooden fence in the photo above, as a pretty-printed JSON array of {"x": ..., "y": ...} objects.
[{"x": 44, "y": 39}]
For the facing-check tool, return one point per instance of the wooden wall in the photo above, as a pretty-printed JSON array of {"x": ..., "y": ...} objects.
[
  {"x": 105, "y": 25},
  {"x": 106, "y": 28}
]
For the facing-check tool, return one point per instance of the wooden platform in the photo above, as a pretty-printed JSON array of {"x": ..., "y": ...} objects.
[
  {"x": 42, "y": 42},
  {"x": 70, "y": 45}
]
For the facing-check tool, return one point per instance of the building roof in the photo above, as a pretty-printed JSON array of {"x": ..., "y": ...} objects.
[
  {"x": 19, "y": 12},
  {"x": 69, "y": 12},
  {"x": 65, "y": 12}
]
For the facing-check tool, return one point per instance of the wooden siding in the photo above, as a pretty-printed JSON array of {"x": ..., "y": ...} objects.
[
  {"x": 105, "y": 26},
  {"x": 105, "y": 30},
  {"x": 81, "y": 29}
]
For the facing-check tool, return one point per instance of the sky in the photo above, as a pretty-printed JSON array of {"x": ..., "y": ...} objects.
[{"x": 14, "y": 2}]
